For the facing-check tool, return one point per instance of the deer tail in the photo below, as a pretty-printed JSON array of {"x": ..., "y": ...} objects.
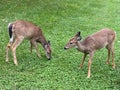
[{"x": 10, "y": 27}]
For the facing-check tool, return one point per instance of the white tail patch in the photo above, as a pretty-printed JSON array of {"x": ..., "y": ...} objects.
[
  {"x": 11, "y": 39},
  {"x": 9, "y": 24}
]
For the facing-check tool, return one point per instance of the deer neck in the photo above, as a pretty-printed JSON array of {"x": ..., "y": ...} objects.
[
  {"x": 80, "y": 46},
  {"x": 42, "y": 40}
]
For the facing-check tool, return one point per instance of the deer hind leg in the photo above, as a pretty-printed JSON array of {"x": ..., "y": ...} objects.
[
  {"x": 7, "y": 50},
  {"x": 83, "y": 60},
  {"x": 111, "y": 50},
  {"x": 108, "y": 59},
  {"x": 14, "y": 47},
  {"x": 33, "y": 42},
  {"x": 89, "y": 64}
]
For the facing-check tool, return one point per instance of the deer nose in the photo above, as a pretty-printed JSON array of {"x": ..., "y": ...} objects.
[
  {"x": 49, "y": 58},
  {"x": 65, "y": 48}
]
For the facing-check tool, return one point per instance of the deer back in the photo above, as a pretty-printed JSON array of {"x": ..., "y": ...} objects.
[
  {"x": 100, "y": 39},
  {"x": 26, "y": 29}
]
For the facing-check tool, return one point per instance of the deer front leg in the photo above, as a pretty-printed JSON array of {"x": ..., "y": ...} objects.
[
  {"x": 31, "y": 46},
  {"x": 83, "y": 60},
  {"x": 89, "y": 64},
  {"x": 33, "y": 42}
]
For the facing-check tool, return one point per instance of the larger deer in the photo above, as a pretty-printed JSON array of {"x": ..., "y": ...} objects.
[
  {"x": 98, "y": 40},
  {"x": 20, "y": 30}
]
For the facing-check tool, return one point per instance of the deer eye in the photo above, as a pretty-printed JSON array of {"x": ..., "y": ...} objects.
[{"x": 71, "y": 43}]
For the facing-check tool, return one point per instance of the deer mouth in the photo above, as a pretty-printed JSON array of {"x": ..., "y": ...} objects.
[
  {"x": 65, "y": 48},
  {"x": 49, "y": 58}
]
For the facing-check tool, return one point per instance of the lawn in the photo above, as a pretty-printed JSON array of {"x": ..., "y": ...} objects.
[{"x": 59, "y": 21}]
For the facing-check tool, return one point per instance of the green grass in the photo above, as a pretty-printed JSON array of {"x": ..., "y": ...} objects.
[{"x": 59, "y": 20}]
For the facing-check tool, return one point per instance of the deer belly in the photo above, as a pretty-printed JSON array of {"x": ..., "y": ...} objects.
[{"x": 101, "y": 45}]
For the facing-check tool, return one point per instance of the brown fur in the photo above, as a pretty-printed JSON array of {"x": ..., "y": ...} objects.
[
  {"x": 26, "y": 30},
  {"x": 98, "y": 40}
]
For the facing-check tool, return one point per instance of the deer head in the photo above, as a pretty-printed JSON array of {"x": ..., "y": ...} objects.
[
  {"x": 72, "y": 42},
  {"x": 48, "y": 50}
]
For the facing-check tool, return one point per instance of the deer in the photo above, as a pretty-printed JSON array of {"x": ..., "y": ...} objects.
[
  {"x": 88, "y": 46},
  {"x": 20, "y": 30}
]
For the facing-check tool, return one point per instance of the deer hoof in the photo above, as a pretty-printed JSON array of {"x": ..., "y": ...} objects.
[
  {"x": 16, "y": 63},
  {"x": 80, "y": 65},
  {"x": 113, "y": 66},
  {"x": 88, "y": 76},
  {"x": 39, "y": 56},
  {"x": 7, "y": 60}
]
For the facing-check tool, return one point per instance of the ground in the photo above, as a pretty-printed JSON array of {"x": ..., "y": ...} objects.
[{"x": 59, "y": 21}]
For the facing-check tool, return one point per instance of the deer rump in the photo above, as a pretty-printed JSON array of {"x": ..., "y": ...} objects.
[{"x": 24, "y": 29}]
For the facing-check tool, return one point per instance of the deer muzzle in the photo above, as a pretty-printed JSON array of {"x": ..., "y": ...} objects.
[{"x": 65, "y": 48}]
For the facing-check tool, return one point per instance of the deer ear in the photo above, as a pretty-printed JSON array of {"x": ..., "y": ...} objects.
[
  {"x": 45, "y": 46},
  {"x": 49, "y": 42},
  {"x": 78, "y": 34},
  {"x": 79, "y": 38}
]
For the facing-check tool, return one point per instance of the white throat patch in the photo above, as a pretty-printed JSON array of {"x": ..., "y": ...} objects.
[{"x": 76, "y": 46}]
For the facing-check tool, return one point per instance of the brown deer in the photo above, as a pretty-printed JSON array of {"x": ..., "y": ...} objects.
[
  {"x": 20, "y": 30},
  {"x": 98, "y": 40}
]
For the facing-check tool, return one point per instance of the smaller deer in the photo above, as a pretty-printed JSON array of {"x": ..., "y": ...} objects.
[
  {"x": 20, "y": 30},
  {"x": 98, "y": 40}
]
